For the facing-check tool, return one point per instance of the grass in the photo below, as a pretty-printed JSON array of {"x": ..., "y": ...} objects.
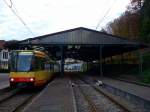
[
  {"x": 146, "y": 76},
  {"x": 146, "y": 68}
]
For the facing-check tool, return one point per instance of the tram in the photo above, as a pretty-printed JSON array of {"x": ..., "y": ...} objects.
[{"x": 31, "y": 68}]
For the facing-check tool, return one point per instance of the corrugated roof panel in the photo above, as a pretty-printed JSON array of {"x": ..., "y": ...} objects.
[{"x": 78, "y": 36}]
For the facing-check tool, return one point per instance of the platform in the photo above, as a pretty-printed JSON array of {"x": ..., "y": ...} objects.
[
  {"x": 56, "y": 97},
  {"x": 4, "y": 80},
  {"x": 4, "y": 85},
  {"x": 137, "y": 90}
]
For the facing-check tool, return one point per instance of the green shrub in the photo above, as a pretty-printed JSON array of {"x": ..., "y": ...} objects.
[{"x": 146, "y": 76}]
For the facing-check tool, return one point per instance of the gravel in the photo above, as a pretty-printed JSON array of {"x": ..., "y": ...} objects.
[
  {"x": 15, "y": 101},
  {"x": 100, "y": 101}
]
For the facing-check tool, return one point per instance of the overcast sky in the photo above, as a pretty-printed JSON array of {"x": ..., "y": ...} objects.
[{"x": 49, "y": 16}]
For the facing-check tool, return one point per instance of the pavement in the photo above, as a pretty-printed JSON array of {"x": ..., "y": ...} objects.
[
  {"x": 138, "y": 90},
  {"x": 56, "y": 97},
  {"x": 4, "y": 80}
]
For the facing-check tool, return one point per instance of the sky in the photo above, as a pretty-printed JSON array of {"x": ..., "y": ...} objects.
[{"x": 48, "y": 16}]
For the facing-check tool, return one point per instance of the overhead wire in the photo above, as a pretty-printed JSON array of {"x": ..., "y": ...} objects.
[
  {"x": 17, "y": 15},
  {"x": 107, "y": 12},
  {"x": 9, "y": 5}
]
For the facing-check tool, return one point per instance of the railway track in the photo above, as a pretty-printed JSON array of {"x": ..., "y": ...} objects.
[
  {"x": 129, "y": 100},
  {"x": 90, "y": 99},
  {"x": 7, "y": 93},
  {"x": 14, "y": 100}
]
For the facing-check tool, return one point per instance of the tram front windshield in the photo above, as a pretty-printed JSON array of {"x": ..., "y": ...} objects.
[{"x": 21, "y": 62}]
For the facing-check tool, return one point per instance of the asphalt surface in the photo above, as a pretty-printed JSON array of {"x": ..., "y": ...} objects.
[
  {"x": 141, "y": 91},
  {"x": 4, "y": 80},
  {"x": 57, "y": 96}
]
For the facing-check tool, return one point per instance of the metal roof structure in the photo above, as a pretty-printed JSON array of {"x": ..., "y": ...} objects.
[
  {"x": 81, "y": 43},
  {"x": 78, "y": 36}
]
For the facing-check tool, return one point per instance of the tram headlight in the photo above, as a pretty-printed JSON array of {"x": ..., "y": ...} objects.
[
  {"x": 11, "y": 79},
  {"x": 31, "y": 79}
]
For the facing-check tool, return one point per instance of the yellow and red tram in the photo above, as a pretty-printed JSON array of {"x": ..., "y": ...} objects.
[{"x": 30, "y": 68}]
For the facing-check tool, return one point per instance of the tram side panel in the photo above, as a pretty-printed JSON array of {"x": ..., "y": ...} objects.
[{"x": 41, "y": 75}]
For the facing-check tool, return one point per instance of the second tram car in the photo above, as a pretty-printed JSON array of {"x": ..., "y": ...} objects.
[{"x": 31, "y": 68}]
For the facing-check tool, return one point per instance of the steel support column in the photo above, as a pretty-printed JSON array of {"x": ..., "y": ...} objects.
[
  {"x": 62, "y": 61},
  {"x": 100, "y": 60}
]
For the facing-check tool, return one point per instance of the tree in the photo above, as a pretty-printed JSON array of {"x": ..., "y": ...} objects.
[
  {"x": 128, "y": 24},
  {"x": 145, "y": 22},
  {"x": 135, "y": 5},
  {"x": 103, "y": 30}
]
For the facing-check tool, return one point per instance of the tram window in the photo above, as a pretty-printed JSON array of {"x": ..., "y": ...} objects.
[
  {"x": 39, "y": 63},
  {"x": 24, "y": 62},
  {"x": 13, "y": 61}
]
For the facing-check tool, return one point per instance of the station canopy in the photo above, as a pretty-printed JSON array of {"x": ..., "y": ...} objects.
[{"x": 80, "y": 43}]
